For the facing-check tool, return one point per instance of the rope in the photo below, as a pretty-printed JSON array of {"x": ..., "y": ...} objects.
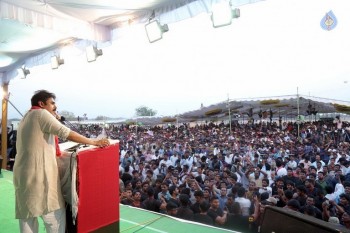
[{"x": 143, "y": 224}]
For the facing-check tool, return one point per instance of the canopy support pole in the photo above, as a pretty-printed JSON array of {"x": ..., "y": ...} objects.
[{"x": 4, "y": 126}]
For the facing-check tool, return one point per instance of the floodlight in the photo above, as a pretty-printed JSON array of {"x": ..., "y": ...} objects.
[
  {"x": 155, "y": 31},
  {"x": 23, "y": 72},
  {"x": 222, "y": 14},
  {"x": 92, "y": 53},
  {"x": 56, "y": 61}
]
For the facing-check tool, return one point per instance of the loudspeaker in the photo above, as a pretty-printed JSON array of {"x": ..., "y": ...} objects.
[{"x": 282, "y": 220}]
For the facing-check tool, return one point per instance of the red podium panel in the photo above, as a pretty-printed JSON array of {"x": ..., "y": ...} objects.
[{"x": 98, "y": 188}]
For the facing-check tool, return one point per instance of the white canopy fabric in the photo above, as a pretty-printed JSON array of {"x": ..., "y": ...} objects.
[{"x": 31, "y": 31}]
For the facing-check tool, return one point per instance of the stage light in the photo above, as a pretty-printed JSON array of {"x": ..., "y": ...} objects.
[
  {"x": 222, "y": 14},
  {"x": 23, "y": 72},
  {"x": 56, "y": 61},
  {"x": 92, "y": 53},
  {"x": 155, "y": 31}
]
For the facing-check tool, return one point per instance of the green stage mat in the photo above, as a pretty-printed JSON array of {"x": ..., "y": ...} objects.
[{"x": 142, "y": 221}]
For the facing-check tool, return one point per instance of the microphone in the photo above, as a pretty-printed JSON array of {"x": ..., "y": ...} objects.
[{"x": 62, "y": 119}]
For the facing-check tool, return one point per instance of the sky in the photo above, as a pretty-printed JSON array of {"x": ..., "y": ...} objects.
[{"x": 276, "y": 48}]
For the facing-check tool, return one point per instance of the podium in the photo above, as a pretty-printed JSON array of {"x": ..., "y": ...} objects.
[{"x": 97, "y": 186}]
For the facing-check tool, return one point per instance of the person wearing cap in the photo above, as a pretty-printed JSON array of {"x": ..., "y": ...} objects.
[{"x": 271, "y": 201}]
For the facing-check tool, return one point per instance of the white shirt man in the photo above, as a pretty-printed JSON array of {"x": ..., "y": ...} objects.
[
  {"x": 165, "y": 161},
  {"x": 228, "y": 158},
  {"x": 174, "y": 158},
  {"x": 243, "y": 202}
]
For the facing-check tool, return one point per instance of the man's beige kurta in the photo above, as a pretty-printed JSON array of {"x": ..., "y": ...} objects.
[{"x": 35, "y": 173}]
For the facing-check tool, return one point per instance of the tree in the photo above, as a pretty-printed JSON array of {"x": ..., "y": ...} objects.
[
  {"x": 68, "y": 115},
  {"x": 145, "y": 111}
]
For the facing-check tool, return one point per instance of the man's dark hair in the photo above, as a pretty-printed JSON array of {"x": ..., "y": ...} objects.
[
  {"x": 309, "y": 210},
  {"x": 346, "y": 196},
  {"x": 172, "y": 189},
  {"x": 241, "y": 191},
  {"x": 329, "y": 189},
  {"x": 198, "y": 193},
  {"x": 150, "y": 191},
  {"x": 184, "y": 199},
  {"x": 204, "y": 206},
  {"x": 41, "y": 95},
  {"x": 302, "y": 188},
  {"x": 288, "y": 194}
]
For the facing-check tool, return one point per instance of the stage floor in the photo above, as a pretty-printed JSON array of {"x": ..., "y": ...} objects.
[{"x": 131, "y": 219}]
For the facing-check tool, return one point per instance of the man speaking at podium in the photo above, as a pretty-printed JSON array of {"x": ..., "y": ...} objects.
[{"x": 35, "y": 173}]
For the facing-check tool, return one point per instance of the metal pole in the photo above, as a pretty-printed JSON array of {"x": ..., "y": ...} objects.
[
  {"x": 229, "y": 112},
  {"x": 177, "y": 125},
  {"x": 298, "y": 113},
  {"x": 4, "y": 126}
]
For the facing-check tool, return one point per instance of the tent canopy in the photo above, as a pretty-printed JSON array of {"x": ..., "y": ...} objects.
[{"x": 33, "y": 30}]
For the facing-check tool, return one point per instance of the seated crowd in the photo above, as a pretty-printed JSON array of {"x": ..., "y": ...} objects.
[{"x": 225, "y": 177}]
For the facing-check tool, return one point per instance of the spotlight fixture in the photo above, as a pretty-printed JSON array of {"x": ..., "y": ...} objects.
[
  {"x": 222, "y": 14},
  {"x": 56, "y": 61},
  {"x": 155, "y": 31},
  {"x": 92, "y": 53},
  {"x": 23, "y": 72}
]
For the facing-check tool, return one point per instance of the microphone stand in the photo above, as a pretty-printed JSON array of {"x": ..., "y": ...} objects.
[{"x": 69, "y": 124}]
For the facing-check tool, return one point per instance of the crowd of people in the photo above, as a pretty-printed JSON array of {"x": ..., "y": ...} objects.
[{"x": 226, "y": 176}]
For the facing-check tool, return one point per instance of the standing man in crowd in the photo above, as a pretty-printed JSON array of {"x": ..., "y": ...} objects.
[{"x": 36, "y": 178}]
